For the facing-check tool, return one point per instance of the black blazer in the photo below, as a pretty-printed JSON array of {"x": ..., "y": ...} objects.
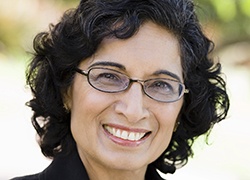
[{"x": 71, "y": 168}]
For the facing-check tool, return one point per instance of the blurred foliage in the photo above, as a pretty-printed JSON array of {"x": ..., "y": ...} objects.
[
  {"x": 229, "y": 18},
  {"x": 20, "y": 20},
  {"x": 226, "y": 21}
]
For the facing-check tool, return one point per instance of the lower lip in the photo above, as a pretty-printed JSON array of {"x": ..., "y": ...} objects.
[{"x": 125, "y": 142}]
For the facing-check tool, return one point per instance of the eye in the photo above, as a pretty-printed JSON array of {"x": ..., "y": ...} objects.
[
  {"x": 161, "y": 86},
  {"x": 106, "y": 77}
]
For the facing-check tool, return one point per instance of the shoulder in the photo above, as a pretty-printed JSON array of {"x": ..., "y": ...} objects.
[
  {"x": 63, "y": 167},
  {"x": 29, "y": 177}
]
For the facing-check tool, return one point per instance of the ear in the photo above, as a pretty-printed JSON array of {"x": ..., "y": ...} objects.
[{"x": 67, "y": 103}]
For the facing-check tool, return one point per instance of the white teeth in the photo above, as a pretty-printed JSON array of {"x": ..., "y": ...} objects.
[
  {"x": 138, "y": 135},
  {"x": 118, "y": 133},
  {"x": 132, "y": 136},
  {"x": 124, "y": 135}
]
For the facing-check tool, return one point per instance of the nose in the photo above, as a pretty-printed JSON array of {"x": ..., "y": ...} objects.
[{"x": 131, "y": 104}]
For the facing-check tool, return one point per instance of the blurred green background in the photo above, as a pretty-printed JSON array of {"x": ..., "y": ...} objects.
[{"x": 226, "y": 22}]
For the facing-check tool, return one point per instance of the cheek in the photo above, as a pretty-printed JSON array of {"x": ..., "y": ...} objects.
[
  {"x": 166, "y": 118},
  {"x": 87, "y": 104},
  {"x": 166, "y": 126},
  {"x": 168, "y": 115},
  {"x": 85, "y": 98}
]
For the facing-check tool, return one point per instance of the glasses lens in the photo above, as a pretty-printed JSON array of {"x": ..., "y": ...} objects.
[
  {"x": 111, "y": 81},
  {"x": 107, "y": 80},
  {"x": 164, "y": 90}
]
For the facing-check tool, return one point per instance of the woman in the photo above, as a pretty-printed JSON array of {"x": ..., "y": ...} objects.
[{"x": 123, "y": 88}]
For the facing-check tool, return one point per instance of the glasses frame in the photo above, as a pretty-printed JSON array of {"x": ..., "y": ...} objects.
[{"x": 142, "y": 82}]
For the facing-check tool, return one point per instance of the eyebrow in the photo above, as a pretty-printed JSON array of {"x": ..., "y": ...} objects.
[
  {"x": 122, "y": 67},
  {"x": 108, "y": 63},
  {"x": 173, "y": 75}
]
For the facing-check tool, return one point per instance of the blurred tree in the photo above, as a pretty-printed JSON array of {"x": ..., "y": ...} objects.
[
  {"x": 20, "y": 20},
  {"x": 230, "y": 19},
  {"x": 226, "y": 21}
]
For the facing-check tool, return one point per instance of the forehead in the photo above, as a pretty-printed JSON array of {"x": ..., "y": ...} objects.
[{"x": 151, "y": 49}]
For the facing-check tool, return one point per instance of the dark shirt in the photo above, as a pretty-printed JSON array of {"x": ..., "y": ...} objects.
[{"x": 71, "y": 168}]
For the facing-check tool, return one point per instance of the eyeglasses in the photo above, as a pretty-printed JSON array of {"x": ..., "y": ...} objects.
[{"x": 112, "y": 81}]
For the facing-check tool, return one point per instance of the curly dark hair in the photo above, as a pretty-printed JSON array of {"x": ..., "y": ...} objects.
[{"x": 77, "y": 36}]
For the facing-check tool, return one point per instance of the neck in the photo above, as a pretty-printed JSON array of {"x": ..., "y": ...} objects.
[
  {"x": 96, "y": 171},
  {"x": 102, "y": 174}
]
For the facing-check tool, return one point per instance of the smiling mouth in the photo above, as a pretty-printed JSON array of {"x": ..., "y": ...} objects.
[{"x": 125, "y": 135}]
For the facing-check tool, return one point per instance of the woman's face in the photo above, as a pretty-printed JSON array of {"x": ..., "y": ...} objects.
[{"x": 99, "y": 119}]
